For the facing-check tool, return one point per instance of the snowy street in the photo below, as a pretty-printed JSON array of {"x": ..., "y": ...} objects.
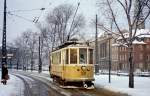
[
  {"x": 54, "y": 89},
  {"x": 15, "y": 86}
]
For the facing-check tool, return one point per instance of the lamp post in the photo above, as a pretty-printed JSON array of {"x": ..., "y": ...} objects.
[
  {"x": 109, "y": 39},
  {"x": 40, "y": 63},
  {"x": 96, "y": 49}
]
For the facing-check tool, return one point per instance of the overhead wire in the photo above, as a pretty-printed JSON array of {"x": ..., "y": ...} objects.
[
  {"x": 27, "y": 10},
  {"x": 36, "y": 19},
  {"x": 19, "y": 16}
]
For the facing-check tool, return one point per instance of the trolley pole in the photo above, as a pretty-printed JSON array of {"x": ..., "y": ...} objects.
[{"x": 4, "y": 50}]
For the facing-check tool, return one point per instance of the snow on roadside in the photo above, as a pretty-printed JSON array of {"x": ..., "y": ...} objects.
[
  {"x": 14, "y": 87},
  {"x": 120, "y": 84}
]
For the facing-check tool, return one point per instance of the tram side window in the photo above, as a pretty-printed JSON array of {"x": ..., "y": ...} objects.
[
  {"x": 66, "y": 57},
  {"x": 83, "y": 56},
  {"x": 59, "y": 56},
  {"x": 73, "y": 56},
  {"x": 56, "y": 58},
  {"x": 90, "y": 56}
]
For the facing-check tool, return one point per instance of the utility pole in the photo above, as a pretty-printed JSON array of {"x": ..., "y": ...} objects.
[
  {"x": 4, "y": 50},
  {"x": 96, "y": 49},
  {"x": 40, "y": 63},
  {"x": 109, "y": 58}
]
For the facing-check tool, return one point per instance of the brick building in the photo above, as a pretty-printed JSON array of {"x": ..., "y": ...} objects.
[
  {"x": 119, "y": 53},
  {"x": 141, "y": 53}
]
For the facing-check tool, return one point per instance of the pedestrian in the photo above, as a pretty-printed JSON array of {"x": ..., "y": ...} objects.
[{"x": 5, "y": 75}]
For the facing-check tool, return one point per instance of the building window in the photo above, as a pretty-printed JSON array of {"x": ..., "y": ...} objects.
[
  {"x": 141, "y": 65},
  {"x": 148, "y": 57},
  {"x": 147, "y": 46},
  {"x": 141, "y": 56},
  {"x": 147, "y": 40},
  {"x": 103, "y": 50},
  {"x": 121, "y": 48},
  {"x": 124, "y": 48},
  {"x": 141, "y": 47},
  {"x": 125, "y": 57},
  {"x": 121, "y": 57}
]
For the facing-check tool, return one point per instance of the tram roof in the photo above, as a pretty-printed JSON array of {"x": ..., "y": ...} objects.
[{"x": 72, "y": 44}]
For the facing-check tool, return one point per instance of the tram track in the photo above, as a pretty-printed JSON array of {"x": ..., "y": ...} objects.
[
  {"x": 27, "y": 92},
  {"x": 39, "y": 87}
]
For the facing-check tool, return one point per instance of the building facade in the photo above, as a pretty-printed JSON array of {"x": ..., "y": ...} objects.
[
  {"x": 119, "y": 54},
  {"x": 12, "y": 59}
]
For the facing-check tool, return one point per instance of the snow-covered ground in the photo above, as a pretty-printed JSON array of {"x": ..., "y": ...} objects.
[
  {"x": 14, "y": 87},
  {"x": 120, "y": 84}
]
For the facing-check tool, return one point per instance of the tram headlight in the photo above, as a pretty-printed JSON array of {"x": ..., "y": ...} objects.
[{"x": 83, "y": 68}]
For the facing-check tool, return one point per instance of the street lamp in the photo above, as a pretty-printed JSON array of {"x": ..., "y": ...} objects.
[
  {"x": 40, "y": 62},
  {"x": 109, "y": 39},
  {"x": 96, "y": 49}
]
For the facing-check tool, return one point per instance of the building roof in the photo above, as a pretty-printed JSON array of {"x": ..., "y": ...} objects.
[
  {"x": 135, "y": 42},
  {"x": 140, "y": 33}
]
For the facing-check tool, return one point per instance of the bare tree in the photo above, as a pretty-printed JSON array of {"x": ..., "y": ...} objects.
[
  {"x": 32, "y": 41},
  {"x": 48, "y": 40},
  {"x": 134, "y": 13},
  {"x": 60, "y": 23},
  {"x": 28, "y": 46},
  {"x": 21, "y": 44}
]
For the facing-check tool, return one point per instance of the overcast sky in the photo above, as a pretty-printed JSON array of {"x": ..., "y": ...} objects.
[{"x": 17, "y": 25}]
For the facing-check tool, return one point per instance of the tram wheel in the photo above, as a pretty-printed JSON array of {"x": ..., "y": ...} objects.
[{"x": 85, "y": 86}]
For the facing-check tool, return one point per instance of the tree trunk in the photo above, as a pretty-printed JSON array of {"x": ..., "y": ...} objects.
[{"x": 131, "y": 67}]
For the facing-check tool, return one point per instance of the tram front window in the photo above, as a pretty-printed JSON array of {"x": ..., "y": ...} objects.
[
  {"x": 73, "y": 56},
  {"x": 83, "y": 56},
  {"x": 90, "y": 56}
]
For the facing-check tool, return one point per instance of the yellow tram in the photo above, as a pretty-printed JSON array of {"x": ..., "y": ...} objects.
[{"x": 72, "y": 63}]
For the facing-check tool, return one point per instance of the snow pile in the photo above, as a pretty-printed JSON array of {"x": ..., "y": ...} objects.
[
  {"x": 143, "y": 33},
  {"x": 14, "y": 87},
  {"x": 120, "y": 84},
  {"x": 138, "y": 42}
]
